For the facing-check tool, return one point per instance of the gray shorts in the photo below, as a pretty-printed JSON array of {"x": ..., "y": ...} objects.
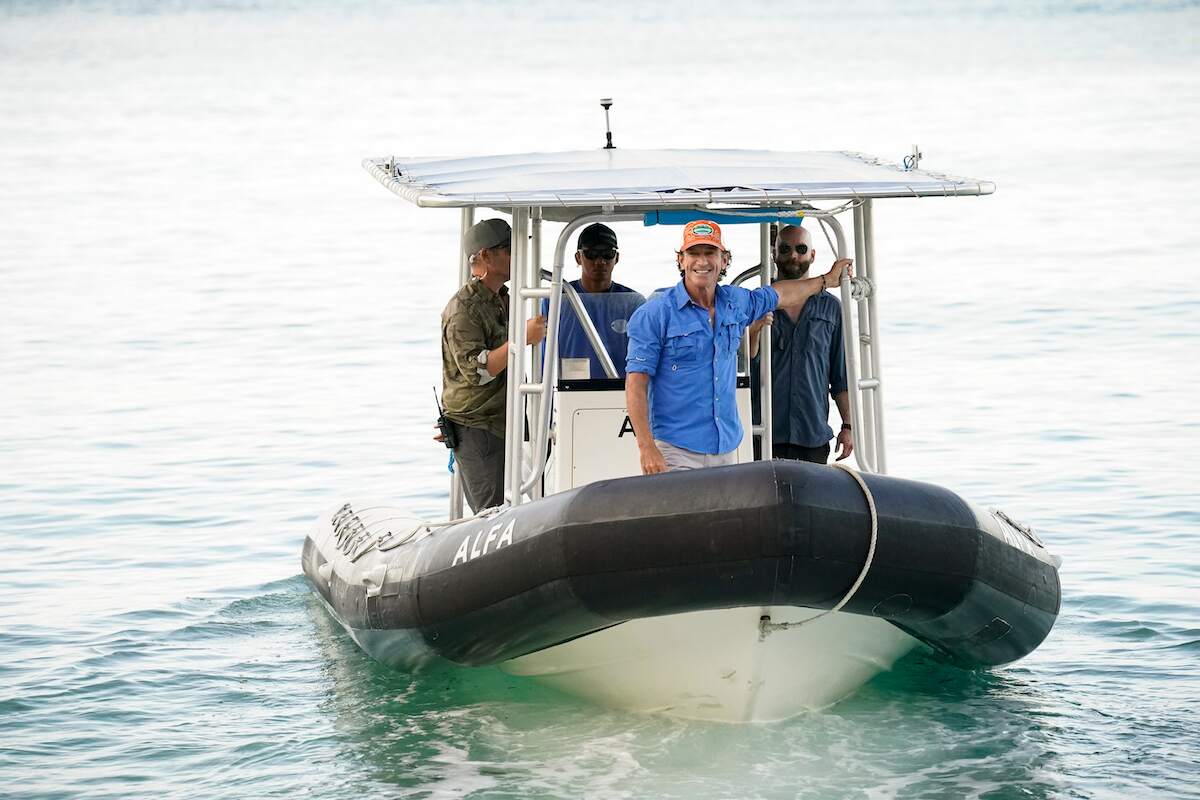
[{"x": 678, "y": 458}]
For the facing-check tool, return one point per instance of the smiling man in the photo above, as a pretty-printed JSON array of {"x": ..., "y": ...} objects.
[{"x": 682, "y": 362}]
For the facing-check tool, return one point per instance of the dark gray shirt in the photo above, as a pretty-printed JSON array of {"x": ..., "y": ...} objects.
[{"x": 808, "y": 366}]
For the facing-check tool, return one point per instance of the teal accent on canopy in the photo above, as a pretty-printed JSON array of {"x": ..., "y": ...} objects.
[{"x": 789, "y": 215}]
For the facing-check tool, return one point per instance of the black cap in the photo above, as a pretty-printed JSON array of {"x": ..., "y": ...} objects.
[{"x": 596, "y": 235}]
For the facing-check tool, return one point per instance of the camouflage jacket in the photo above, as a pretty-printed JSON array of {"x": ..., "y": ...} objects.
[{"x": 475, "y": 319}]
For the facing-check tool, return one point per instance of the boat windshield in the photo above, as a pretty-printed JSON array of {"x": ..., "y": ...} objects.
[{"x": 607, "y": 314}]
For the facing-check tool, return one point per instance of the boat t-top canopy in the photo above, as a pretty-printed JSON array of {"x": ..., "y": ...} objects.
[
  {"x": 628, "y": 179},
  {"x": 662, "y": 187}
]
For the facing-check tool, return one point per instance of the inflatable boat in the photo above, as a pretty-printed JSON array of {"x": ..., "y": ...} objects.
[
  {"x": 746, "y": 592},
  {"x": 560, "y": 587}
]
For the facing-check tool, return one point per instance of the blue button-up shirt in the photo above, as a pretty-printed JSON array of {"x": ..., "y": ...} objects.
[
  {"x": 808, "y": 366},
  {"x": 693, "y": 364}
]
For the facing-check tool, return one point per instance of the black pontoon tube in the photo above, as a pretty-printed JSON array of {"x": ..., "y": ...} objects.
[{"x": 972, "y": 585}]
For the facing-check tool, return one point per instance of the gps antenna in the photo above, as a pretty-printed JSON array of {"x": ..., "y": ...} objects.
[{"x": 606, "y": 104}]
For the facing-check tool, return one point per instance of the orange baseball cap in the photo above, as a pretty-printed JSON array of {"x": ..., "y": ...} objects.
[{"x": 701, "y": 231}]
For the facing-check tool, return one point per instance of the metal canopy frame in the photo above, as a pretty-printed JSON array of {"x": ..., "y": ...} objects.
[{"x": 429, "y": 183}]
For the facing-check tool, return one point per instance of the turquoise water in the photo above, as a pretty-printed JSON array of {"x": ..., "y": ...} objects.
[{"x": 216, "y": 325}]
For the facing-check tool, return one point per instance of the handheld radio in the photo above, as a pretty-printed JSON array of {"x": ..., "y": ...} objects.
[{"x": 445, "y": 424}]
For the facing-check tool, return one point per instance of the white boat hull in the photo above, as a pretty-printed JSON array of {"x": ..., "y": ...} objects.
[{"x": 718, "y": 665}]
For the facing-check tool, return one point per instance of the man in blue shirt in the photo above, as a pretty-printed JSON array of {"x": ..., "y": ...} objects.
[
  {"x": 682, "y": 362},
  {"x": 808, "y": 363},
  {"x": 608, "y": 304}
]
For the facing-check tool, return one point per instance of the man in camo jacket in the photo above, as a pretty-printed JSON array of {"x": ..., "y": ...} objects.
[{"x": 474, "y": 359}]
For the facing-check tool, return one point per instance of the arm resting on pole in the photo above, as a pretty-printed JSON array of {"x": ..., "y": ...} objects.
[{"x": 794, "y": 294}]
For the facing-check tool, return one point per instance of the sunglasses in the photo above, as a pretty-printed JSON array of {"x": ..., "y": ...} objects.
[
  {"x": 600, "y": 255},
  {"x": 502, "y": 246},
  {"x": 786, "y": 249}
]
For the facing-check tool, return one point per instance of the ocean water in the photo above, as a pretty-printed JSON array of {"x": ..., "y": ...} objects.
[{"x": 215, "y": 325}]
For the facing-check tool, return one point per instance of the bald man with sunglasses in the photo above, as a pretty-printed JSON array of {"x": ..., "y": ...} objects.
[{"x": 808, "y": 363}]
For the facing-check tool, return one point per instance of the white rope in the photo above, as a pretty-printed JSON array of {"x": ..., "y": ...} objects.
[
  {"x": 429, "y": 525},
  {"x": 790, "y": 213},
  {"x": 862, "y": 576},
  {"x": 484, "y": 513},
  {"x": 766, "y": 625}
]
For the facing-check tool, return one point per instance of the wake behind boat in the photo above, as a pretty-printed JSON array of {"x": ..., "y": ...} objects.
[{"x": 745, "y": 592}]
